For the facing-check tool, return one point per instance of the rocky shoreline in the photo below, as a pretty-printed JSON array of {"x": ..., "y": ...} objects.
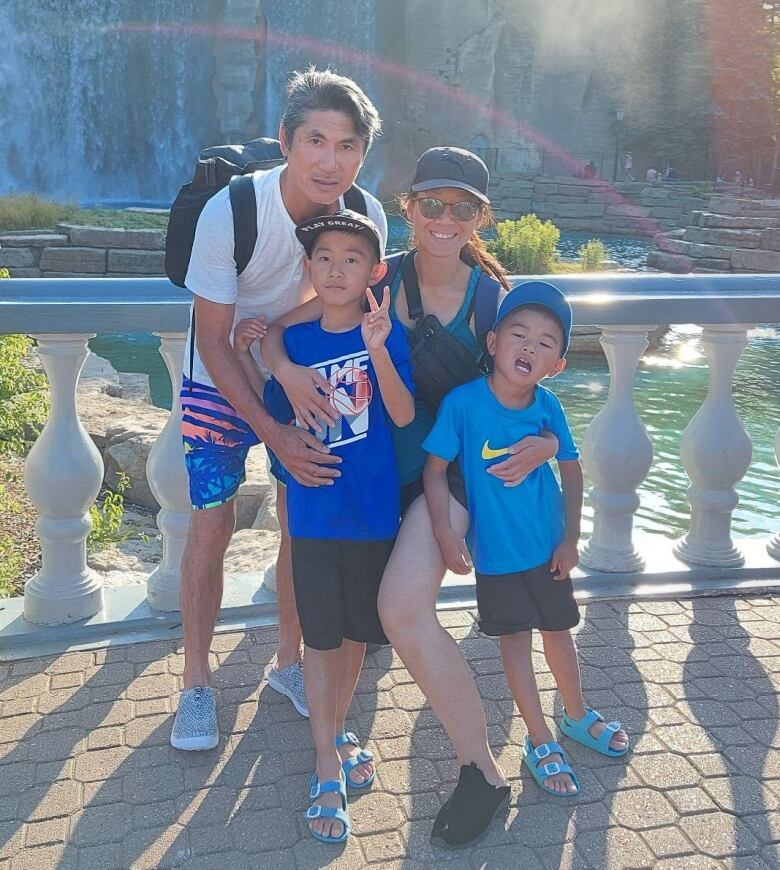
[{"x": 116, "y": 412}]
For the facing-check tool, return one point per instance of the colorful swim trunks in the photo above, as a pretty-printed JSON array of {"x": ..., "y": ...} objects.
[{"x": 216, "y": 444}]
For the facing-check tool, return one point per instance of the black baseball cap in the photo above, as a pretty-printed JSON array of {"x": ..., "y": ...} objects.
[
  {"x": 346, "y": 221},
  {"x": 452, "y": 167}
]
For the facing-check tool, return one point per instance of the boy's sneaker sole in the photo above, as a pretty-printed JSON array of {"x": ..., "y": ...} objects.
[{"x": 193, "y": 744}]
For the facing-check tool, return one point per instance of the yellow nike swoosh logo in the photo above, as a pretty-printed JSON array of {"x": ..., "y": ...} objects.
[{"x": 490, "y": 453}]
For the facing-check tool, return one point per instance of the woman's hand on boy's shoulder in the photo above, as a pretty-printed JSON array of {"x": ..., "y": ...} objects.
[
  {"x": 248, "y": 330},
  {"x": 564, "y": 559},
  {"x": 376, "y": 325}
]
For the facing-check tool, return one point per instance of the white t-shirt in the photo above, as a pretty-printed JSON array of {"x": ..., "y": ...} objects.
[{"x": 273, "y": 282}]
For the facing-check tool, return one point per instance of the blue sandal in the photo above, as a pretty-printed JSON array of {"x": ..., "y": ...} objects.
[
  {"x": 319, "y": 812},
  {"x": 349, "y": 764},
  {"x": 532, "y": 756},
  {"x": 577, "y": 729}
]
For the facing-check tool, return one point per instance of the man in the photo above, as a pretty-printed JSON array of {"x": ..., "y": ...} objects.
[{"x": 327, "y": 128}]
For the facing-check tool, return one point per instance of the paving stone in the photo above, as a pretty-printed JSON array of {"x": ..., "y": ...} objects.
[
  {"x": 46, "y": 833},
  {"x": 741, "y": 795},
  {"x": 690, "y": 800},
  {"x": 45, "y": 857},
  {"x": 674, "y": 772},
  {"x": 719, "y": 835},
  {"x": 668, "y": 842},
  {"x": 614, "y": 848},
  {"x": 639, "y": 809},
  {"x": 97, "y": 825},
  {"x": 50, "y": 801},
  {"x": 100, "y": 764}
]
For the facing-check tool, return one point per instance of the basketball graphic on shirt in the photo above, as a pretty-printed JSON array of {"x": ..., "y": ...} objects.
[{"x": 352, "y": 391}]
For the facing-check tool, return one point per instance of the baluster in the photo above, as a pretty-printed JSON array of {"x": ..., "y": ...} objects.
[
  {"x": 167, "y": 476},
  {"x": 773, "y": 547},
  {"x": 63, "y": 474},
  {"x": 715, "y": 450},
  {"x": 617, "y": 454}
]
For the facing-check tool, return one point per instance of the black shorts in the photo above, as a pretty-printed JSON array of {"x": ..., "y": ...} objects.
[
  {"x": 524, "y": 600},
  {"x": 410, "y": 491},
  {"x": 336, "y": 588}
]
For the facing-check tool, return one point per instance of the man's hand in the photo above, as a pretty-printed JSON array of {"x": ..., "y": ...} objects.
[
  {"x": 248, "y": 330},
  {"x": 304, "y": 388},
  {"x": 525, "y": 456},
  {"x": 454, "y": 551},
  {"x": 376, "y": 326},
  {"x": 564, "y": 559},
  {"x": 308, "y": 460}
]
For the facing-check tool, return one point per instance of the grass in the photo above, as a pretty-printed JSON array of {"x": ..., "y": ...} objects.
[{"x": 29, "y": 212}]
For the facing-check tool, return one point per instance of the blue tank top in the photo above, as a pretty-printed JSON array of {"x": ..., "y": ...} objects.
[{"x": 408, "y": 441}]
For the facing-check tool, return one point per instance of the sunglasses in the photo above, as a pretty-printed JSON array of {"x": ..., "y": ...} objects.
[{"x": 463, "y": 211}]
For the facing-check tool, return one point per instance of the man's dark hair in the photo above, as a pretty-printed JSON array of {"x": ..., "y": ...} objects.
[{"x": 323, "y": 90}]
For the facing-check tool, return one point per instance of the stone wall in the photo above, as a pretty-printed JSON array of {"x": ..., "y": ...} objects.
[
  {"x": 77, "y": 252},
  {"x": 731, "y": 235},
  {"x": 596, "y": 205}
]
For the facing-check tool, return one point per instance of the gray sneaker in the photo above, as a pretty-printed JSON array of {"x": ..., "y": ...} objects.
[
  {"x": 289, "y": 681},
  {"x": 195, "y": 725}
]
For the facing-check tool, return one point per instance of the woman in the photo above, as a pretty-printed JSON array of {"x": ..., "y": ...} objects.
[{"x": 446, "y": 207}]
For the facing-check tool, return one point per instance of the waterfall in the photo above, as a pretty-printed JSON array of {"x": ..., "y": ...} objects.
[
  {"x": 342, "y": 35},
  {"x": 104, "y": 100}
]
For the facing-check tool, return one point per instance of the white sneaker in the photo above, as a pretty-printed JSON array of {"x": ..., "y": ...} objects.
[
  {"x": 195, "y": 725},
  {"x": 289, "y": 681}
]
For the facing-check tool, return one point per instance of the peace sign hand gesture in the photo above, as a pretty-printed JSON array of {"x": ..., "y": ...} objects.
[{"x": 375, "y": 326}]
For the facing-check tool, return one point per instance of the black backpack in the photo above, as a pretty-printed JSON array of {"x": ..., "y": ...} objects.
[{"x": 217, "y": 167}]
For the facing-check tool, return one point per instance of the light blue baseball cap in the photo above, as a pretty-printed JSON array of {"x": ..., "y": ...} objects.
[{"x": 539, "y": 293}]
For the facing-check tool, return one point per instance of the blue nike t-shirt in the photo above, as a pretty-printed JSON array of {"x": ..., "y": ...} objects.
[
  {"x": 364, "y": 503},
  {"x": 512, "y": 528}
]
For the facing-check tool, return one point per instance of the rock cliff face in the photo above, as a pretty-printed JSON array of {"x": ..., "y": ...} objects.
[{"x": 533, "y": 85}]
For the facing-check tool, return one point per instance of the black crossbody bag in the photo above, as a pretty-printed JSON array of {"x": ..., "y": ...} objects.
[{"x": 439, "y": 361}]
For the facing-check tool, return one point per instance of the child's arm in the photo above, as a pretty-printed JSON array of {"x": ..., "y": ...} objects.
[
  {"x": 376, "y": 327},
  {"x": 437, "y": 494},
  {"x": 305, "y": 387},
  {"x": 565, "y": 557},
  {"x": 248, "y": 330}
]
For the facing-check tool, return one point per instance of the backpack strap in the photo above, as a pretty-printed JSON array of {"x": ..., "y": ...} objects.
[
  {"x": 393, "y": 265},
  {"x": 244, "y": 206},
  {"x": 355, "y": 200},
  {"x": 485, "y": 305}
]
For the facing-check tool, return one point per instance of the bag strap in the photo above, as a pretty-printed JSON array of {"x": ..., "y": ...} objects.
[
  {"x": 244, "y": 206},
  {"x": 355, "y": 200},
  {"x": 485, "y": 305},
  {"x": 411, "y": 287}
]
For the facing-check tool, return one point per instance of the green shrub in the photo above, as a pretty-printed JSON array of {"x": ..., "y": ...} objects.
[
  {"x": 107, "y": 517},
  {"x": 527, "y": 246},
  {"x": 23, "y": 398},
  {"x": 592, "y": 255}
]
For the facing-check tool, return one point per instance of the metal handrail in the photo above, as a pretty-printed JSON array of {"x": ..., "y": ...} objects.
[{"x": 71, "y": 305}]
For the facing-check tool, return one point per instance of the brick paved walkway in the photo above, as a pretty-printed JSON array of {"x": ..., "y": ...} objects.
[{"x": 88, "y": 780}]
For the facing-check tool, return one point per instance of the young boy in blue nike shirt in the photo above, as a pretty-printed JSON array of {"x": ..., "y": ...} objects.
[
  {"x": 342, "y": 534},
  {"x": 523, "y": 539}
]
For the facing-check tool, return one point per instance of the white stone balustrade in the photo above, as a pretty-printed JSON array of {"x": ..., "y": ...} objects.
[
  {"x": 63, "y": 474},
  {"x": 64, "y": 470},
  {"x": 167, "y": 476},
  {"x": 715, "y": 450},
  {"x": 617, "y": 454},
  {"x": 773, "y": 547}
]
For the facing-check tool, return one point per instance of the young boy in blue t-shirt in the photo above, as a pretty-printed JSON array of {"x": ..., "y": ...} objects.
[
  {"x": 523, "y": 539},
  {"x": 342, "y": 534}
]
